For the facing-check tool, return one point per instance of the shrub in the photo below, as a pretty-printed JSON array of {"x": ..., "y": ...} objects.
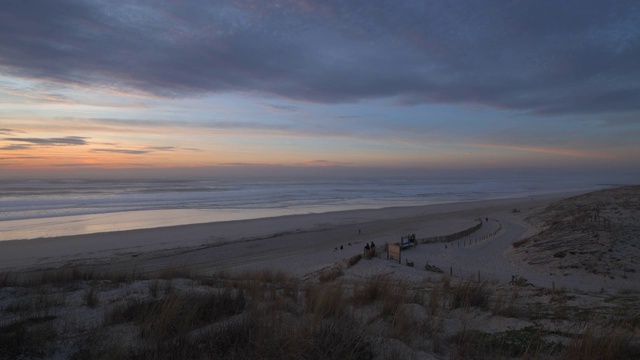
[
  {"x": 610, "y": 343},
  {"x": 154, "y": 285},
  {"x": 7, "y": 279},
  {"x": 354, "y": 260},
  {"x": 522, "y": 242},
  {"x": 369, "y": 254},
  {"x": 527, "y": 342},
  {"x": 330, "y": 275},
  {"x": 90, "y": 295},
  {"x": 470, "y": 293},
  {"x": 175, "y": 272},
  {"x": 372, "y": 290},
  {"x": 324, "y": 302},
  {"x": 168, "y": 287},
  {"x": 27, "y": 338},
  {"x": 391, "y": 294},
  {"x": 177, "y": 313},
  {"x": 255, "y": 338},
  {"x": 35, "y": 303},
  {"x": 435, "y": 299}
]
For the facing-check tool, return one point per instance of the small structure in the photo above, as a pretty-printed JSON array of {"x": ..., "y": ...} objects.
[
  {"x": 394, "y": 251},
  {"x": 408, "y": 241}
]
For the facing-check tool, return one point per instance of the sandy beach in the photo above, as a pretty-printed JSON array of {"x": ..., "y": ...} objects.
[
  {"x": 303, "y": 245},
  {"x": 307, "y": 276}
]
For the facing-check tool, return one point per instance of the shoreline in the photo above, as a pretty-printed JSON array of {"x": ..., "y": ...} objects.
[
  {"x": 78, "y": 225},
  {"x": 389, "y": 223},
  {"x": 306, "y": 245}
]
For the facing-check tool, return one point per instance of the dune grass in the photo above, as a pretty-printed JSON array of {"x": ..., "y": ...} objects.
[
  {"x": 528, "y": 342},
  {"x": 472, "y": 293},
  {"x": 330, "y": 274},
  {"x": 180, "y": 313},
  {"x": 354, "y": 260},
  {"x": 608, "y": 343}
]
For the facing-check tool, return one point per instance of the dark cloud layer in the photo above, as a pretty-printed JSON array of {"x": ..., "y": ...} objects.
[
  {"x": 15, "y": 147},
  {"x": 209, "y": 124},
  {"x": 578, "y": 56},
  {"x": 67, "y": 140}
]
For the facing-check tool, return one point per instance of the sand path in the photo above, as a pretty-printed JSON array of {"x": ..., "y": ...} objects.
[{"x": 489, "y": 258}]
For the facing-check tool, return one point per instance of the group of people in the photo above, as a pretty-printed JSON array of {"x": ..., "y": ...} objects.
[
  {"x": 367, "y": 247},
  {"x": 370, "y": 247}
]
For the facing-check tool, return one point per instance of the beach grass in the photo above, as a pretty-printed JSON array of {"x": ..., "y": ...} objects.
[{"x": 181, "y": 313}]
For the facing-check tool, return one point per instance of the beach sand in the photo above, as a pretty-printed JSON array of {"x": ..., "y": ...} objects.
[
  {"x": 292, "y": 273},
  {"x": 303, "y": 245}
]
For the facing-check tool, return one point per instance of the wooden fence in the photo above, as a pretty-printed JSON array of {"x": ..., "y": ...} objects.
[{"x": 451, "y": 237}]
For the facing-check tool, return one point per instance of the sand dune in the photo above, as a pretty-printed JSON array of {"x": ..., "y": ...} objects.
[{"x": 594, "y": 236}]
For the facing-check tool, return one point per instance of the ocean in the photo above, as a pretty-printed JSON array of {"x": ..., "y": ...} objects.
[{"x": 44, "y": 208}]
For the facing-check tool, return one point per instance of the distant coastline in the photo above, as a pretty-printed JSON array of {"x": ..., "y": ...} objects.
[{"x": 72, "y": 225}]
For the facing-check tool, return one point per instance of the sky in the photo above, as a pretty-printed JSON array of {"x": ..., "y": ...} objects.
[{"x": 207, "y": 88}]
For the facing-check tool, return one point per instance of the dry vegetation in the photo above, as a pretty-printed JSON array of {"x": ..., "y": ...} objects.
[
  {"x": 81, "y": 313},
  {"x": 596, "y": 233}
]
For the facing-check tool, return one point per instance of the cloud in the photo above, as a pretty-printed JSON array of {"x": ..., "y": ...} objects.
[
  {"x": 325, "y": 163},
  {"x": 630, "y": 119},
  {"x": 161, "y": 123},
  {"x": 543, "y": 57},
  {"x": 34, "y": 94},
  {"x": 161, "y": 148},
  {"x": 68, "y": 140},
  {"x": 22, "y": 158},
  {"x": 280, "y": 107},
  {"x": 123, "y": 151},
  {"x": 194, "y": 149},
  {"x": 146, "y": 150},
  {"x": 240, "y": 164},
  {"x": 163, "y": 126},
  {"x": 15, "y": 147},
  {"x": 5, "y": 131}
]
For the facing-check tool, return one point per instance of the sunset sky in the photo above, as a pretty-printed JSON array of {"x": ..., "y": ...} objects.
[{"x": 177, "y": 88}]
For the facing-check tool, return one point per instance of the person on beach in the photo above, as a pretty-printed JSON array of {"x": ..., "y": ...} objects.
[
  {"x": 373, "y": 246},
  {"x": 366, "y": 247}
]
